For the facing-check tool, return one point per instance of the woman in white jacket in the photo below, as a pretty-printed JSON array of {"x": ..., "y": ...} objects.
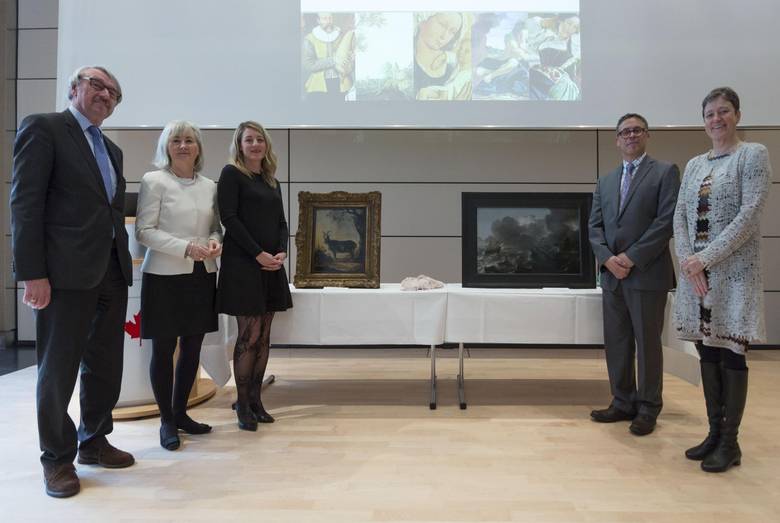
[{"x": 178, "y": 222}]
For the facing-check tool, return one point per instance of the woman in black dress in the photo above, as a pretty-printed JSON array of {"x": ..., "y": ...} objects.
[
  {"x": 178, "y": 223},
  {"x": 252, "y": 280}
]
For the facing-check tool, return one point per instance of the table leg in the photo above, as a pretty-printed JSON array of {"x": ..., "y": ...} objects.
[
  {"x": 461, "y": 379},
  {"x": 432, "y": 404}
]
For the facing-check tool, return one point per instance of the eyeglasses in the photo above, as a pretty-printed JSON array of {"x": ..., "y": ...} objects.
[
  {"x": 631, "y": 131},
  {"x": 98, "y": 85}
]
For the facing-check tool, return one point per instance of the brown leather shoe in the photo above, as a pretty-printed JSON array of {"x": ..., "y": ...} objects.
[
  {"x": 60, "y": 480},
  {"x": 100, "y": 452}
]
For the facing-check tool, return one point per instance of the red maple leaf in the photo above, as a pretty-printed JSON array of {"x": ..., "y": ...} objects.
[{"x": 133, "y": 328}]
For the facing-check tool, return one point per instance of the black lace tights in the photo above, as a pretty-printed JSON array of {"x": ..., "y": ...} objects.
[{"x": 250, "y": 356}]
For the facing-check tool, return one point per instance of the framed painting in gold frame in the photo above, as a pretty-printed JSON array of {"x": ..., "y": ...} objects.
[{"x": 338, "y": 239}]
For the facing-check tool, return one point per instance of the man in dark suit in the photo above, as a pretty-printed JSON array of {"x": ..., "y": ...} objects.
[
  {"x": 70, "y": 252},
  {"x": 630, "y": 227}
]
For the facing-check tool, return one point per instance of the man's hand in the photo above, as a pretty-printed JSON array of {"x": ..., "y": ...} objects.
[
  {"x": 617, "y": 267},
  {"x": 625, "y": 261},
  {"x": 37, "y": 293}
]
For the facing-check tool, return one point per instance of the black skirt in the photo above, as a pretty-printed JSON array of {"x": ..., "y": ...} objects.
[
  {"x": 246, "y": 290},
  {"x": 179, "y": 304}
]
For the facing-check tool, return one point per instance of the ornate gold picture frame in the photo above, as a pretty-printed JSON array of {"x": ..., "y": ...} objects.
[{"x": 338, "y": 239}]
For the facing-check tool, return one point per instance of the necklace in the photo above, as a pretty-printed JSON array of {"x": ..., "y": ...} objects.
[
  {"x": 177, "y": 175},
  {"x": 727, "y": 152}
]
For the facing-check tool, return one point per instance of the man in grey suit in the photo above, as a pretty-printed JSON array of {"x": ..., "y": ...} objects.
[
  {"x": 630, "y": 227},
  {"x": 71, "y": 255}
]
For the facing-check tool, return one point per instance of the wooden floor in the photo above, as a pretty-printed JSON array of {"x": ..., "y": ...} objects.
[{"x": 355, "y": 441}]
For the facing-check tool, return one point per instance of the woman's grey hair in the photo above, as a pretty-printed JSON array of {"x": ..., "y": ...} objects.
[
  {"x": 76, "y": 77},
  {"x": 727, "y": 93},
  {"x": 162, "y": 160}
]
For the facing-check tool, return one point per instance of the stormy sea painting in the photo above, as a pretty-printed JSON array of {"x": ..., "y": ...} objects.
[{"x": 528, "y": 240}]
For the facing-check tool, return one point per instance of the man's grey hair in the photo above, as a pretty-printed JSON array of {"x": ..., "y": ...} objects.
[{"x": 76, "y": 77}]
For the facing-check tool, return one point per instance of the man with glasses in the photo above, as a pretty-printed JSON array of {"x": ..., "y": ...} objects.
[
  {"x": 70, "y": 253},
  {"x": 630, "y": 227}
]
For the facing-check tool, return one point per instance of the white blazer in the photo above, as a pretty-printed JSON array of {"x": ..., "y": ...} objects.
[{"x": 172, "y": 212}]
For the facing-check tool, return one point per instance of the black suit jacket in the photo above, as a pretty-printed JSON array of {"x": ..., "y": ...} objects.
[
  {"x": 642, "y": 229},
  {"x": 61, "y": 219}
]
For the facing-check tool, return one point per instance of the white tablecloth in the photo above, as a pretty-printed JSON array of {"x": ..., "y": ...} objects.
[
  {"x": 383, "y": 316},
  {"x": 554, "y": 316}
]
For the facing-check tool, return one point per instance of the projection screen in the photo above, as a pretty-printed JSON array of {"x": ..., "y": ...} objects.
[{"x": 423, "y": 63}]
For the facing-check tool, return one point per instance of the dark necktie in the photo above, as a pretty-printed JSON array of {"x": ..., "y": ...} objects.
[
  {"x": 101, "y": 155},
  {"x": 626, "y": 184}
]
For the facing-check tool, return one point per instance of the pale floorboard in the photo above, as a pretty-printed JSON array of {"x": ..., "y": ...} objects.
[{"x": 355, "y": 441}]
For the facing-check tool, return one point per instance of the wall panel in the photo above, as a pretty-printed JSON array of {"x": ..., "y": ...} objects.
[
  {"x": 38, "y": 13},
  {"x": 34, "y": 96},
  {"x": 37, "y": 53},
  {"x": 458, "y": 156}
]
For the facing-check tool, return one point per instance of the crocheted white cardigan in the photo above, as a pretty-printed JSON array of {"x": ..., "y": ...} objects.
[{"x": 740, "y": 185}]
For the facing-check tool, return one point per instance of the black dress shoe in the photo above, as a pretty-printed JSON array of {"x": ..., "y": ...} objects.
[
  {"x": 246, "y": 419},
  {"x": 642, "y": 425},
  {"x": 169, "y": 436},
  {"x": 610, "y": 415},
  {"x": 260, "y": 414},
  {"x": 61, "y": 480},
  {"x": 190, "y": 426}
]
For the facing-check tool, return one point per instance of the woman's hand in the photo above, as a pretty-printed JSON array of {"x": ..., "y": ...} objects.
[
  {"x": 280, "y": 256},
  {"x": 700, "y": 284},
  {"x": 215, "y": 249},
  {"x": 691, "y": 266},
  {"x": 268, "y": 262},
  {"x": 198, "y": 252},
  {"x": 693, "y": 269}
]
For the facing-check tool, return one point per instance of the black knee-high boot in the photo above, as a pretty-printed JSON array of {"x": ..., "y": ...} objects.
[
  {"x": 727, "y": 453},
  {"x": 711, "y": 383}
]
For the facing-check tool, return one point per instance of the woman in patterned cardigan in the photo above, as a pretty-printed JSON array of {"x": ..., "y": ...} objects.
[{"x": 719, "y": 303}]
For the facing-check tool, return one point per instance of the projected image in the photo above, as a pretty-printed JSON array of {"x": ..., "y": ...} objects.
[
  {"x": 383, "y": 56},
  {"x": 526, "y": 56},
  {"x": 502, "y": 58},
  {"x": 555, "y": 39},
  {"x": 442, "y": 55},
  {"x": 328, "y": 56}
]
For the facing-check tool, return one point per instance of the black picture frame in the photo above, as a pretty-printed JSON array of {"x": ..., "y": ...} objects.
[{"x": 529, "y": 240}]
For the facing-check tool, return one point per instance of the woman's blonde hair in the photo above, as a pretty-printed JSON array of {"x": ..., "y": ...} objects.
[{"x": 269, "y": 163}]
